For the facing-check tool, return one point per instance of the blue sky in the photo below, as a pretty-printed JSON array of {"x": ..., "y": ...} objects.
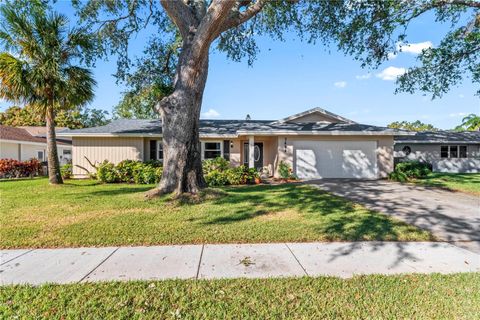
[{"x": 290, "y": 77}]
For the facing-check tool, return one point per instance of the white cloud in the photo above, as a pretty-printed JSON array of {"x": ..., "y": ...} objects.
[
  {"x": 211, "y": 113},
  {"x": 458, "y": 114},
  {"x": 391, "y": 73},
  {"x": 391, "y": 55},
  {"x": 413, "y": 48},
  {"x": 364, "y": 76},
  {"x": 340, "y": 84}
]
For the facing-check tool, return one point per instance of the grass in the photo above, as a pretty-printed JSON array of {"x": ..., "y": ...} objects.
[
  {"x": 463, "y": 182},
  {"x": 86, "y": 213},
  {"x": 413, "y": 296}
]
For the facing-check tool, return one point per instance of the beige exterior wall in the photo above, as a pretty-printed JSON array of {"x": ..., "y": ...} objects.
[
  {"x": 384, "y": 149},
  {"x": 275, "y": 150},
  {"x": 30, "y": 151},
  {"x": 9, "y": 150},
  {"x": 98, "y": 149}
]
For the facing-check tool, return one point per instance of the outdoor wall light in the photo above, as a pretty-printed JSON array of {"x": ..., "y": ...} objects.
[
  {"x": 285, "y": 145},
  {"x": 231, "y": 144}
]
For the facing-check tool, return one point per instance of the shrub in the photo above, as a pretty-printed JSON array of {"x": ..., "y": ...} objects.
[
  {"x": 10, "y": 168},
  {"x": 285, "y": 171},
  {"x": 410, "y": 170},
  {"x": 216, "y": 178},
  {"x": 130, "y": 171},
  {"x": 126, "y": 170},
  {"x": 219, "y": 164},
  {"x": 66, "y": 171},
  {"x": 106, "y": 172}
]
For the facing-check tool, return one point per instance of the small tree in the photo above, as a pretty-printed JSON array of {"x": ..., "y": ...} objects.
[
  {"x": 412, "y": 126},
  {"x": 37, "y": 67}
]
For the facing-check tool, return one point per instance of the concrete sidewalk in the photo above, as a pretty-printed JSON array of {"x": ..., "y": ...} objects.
[{"x": 342, "y": 259}]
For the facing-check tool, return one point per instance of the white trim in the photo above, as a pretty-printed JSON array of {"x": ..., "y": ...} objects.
[
  {"x": 324, "y": 133},
  {"x": 315, "y": 110},
  {"x": 24, "y": 142},
  {"x": 135, "y": 135},
  {"x": 210, "y": 141}
]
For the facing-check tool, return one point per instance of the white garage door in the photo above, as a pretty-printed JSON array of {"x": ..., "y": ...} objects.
[{"x": 335, "y": 159}]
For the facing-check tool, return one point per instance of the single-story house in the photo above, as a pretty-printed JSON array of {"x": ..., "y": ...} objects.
[
  {"x": 25, "y": 143},
  {"x": 315, "y": 143},
  {"x": 447, "y": 151}
]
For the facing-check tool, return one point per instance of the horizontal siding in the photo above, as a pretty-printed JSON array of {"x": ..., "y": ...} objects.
[{"x": 96, "y": 149}]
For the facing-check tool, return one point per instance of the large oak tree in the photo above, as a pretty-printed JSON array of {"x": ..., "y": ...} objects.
[{"x": 185, "y": 30}]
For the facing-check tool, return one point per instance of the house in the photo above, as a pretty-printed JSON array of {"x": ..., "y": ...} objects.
[
  {"x": 315, "y": 143},
  {"x": 447, "y": 151},
  {"x": 25, "y": 143}
]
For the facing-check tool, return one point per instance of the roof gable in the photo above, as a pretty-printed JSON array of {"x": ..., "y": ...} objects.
[{"x": 315, "y": 115}]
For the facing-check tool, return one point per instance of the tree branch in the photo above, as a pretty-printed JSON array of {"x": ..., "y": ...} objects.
[
  {"x": 236, "y": 17},
  {"x": 180, "y": 14}
]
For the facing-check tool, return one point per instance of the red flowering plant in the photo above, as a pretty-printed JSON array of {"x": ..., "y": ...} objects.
[{"x": 10, "y": 168}]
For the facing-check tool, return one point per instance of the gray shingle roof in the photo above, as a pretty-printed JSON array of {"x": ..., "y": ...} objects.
[
  {"x": 230, "y": 127},
  {"x": 441, "y": 137}
]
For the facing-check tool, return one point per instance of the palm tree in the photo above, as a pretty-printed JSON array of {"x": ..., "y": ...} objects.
[
  {"x": 470, "y": 123},
  {"x": 37, "y": 68}
]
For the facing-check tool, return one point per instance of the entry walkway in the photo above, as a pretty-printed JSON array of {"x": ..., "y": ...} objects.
[{"x": 342, "y": 259}]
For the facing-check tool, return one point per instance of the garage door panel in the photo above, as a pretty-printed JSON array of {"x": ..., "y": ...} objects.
[{"x": 335, "y": 159}]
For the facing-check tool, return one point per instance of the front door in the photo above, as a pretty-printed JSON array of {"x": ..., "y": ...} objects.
[{"x": 257, "y": 154}]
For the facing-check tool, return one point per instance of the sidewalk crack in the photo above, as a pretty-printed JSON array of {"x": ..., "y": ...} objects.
[
  {"x": 101, "y": 262},
  {"x": 1, "y": 264},
  {"x": 298, "y": 261},
  {"x": 199, "y": 262}
]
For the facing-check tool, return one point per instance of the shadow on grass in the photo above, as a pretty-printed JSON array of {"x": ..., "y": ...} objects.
[{"x": 331, "y": 216}]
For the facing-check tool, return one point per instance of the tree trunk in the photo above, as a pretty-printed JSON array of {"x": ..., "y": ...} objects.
[
  {"x": 54, "y": 175},
  {"x": 180, "y": 113}
]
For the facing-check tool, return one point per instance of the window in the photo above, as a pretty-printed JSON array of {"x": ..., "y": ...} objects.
[
  {"x": 453, "y": 151},
  {"x": 159, "y": 150},
  {"x": 407, "y": 150},
  {"x": 67, "y": 152},
  {"x": 211, "y": 150},
  {"x": 40, "y": 155},
  {"x": 444, "y": 151},
  {"x": 463, "y": 152}
]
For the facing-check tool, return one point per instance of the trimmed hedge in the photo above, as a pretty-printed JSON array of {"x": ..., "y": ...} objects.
[
  {"x": 217, "y": 172},
  {"x": 10, "y": 168},
  {"x": 130, "y": 171}
]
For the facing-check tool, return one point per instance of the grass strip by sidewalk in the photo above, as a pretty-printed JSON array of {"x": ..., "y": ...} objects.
[
  {"x": 35, "y": 214},
  {"x": 414, "y": 296}
]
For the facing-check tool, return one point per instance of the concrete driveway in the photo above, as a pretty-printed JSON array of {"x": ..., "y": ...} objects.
[{"x": 450, "y": 216}]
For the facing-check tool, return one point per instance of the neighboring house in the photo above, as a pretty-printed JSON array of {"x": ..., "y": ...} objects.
[
  {"x": 447, "y": 151},
  {"x": 25, "y": 143},
  {"x": 315, "y": 143}
]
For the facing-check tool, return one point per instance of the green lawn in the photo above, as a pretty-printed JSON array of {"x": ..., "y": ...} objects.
[
  {"x": 86, "y": 213},
  {"x": 368, "y": 297},
  {"x": 464, "y": 182}
]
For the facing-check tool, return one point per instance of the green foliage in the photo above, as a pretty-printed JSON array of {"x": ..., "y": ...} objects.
[
  {"x": 217, "y": 172},
  {"x": 369, "y": 30},
  {"x": 130, "y": 171},
  {"x": 106, "y": 172},
  {"x": 469, "y": 123},
  {"x": 412, "y": 126},
  {"x": 407, "y": 170},
  {"x": 74, "y": 119},
  {"x": 66, "y": 171},
  {"x": 285, "y": 171}
]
